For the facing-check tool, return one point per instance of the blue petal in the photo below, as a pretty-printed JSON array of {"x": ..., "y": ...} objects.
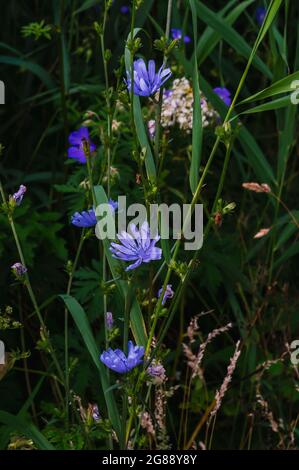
[{"x": 77, "y": 154}]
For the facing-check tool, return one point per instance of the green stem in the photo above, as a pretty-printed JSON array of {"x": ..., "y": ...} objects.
[
  {"x": 62, "y": 76},
  {"x": 159, "y": 105},
  {"x": 178, "y": 242},
  {"x": 194, "y": 200},
  {"x": 125, "y": 349},
  {"x": 108, "y": 148},
  {"x": 28, "y": 284},
  {"x": 66, "y": 327}
]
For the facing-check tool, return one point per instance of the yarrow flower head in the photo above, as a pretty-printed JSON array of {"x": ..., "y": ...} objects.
[
  {"x": 117, "y": 361},
  {"x": 177, "y": 34},
  {"x": 138, "y": 247},
  {"x": 78, "y": 140},
  {"x": 168, "y": 294},
  {"x": 146, "y": 81},
  {"x": 18, "y": 196},
  {"x": 177, "y": 108},
  {"x": 18, "y": 269},
  {"x": 260, "y": 14},
  {"x": 224, "y": 94},
  {"x": 84, "y": 219}
]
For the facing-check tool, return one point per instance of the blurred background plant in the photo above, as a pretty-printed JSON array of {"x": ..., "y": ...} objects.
[{"x": 58, "y": 79}]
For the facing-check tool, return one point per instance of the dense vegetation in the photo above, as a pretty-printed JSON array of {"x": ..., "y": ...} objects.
[{"x": 213, "y": 366}]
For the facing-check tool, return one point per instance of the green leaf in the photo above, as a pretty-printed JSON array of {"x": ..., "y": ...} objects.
[
  {"x": 87, "y": 4},
  {"x": 26, "y": 428},
  {"x": 197, "y": 132},
  {"x": 271, "y": 105},
  {"x": 66, "y": 64},
  {"x": 254, "y": 153},
  {"x": 210, "y": 38},
  {"x": 282, "y": 86},
  {"x": 83, "y": 326},
  {"x": 36, "y": 69},
  {"x": 289, "y": 253},
  {"x": 230, "y": 36},
  {"x": 6, "y": 431}
]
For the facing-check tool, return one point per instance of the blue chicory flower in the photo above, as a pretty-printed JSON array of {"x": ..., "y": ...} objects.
[
  {"x": 76, "y": 140},
  {"x": 168, "y": 294},
  {"x": 84, "y": 219},
  {"x": 138, "y": 247},
  {"x": 18, "y": 269},
  {"x": 117, "y": 361},
  {"x": 113, "y": 204},
  {"x": 224, "y": 94},
  {"x": 178, "y": 34},
  {"x": 260, "y": 14},
  {"x": 18, "y": 196},
  {"x": 125, "y": 9},
  {"x": 88, "y": 218},
  {"x": 146, "y": 81}
]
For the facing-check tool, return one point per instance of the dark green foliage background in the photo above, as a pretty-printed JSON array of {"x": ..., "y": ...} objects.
[{"x": 50, "y": 84}]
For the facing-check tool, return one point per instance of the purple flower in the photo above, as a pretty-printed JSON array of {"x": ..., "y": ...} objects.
[
  {"x": 117, "y": 360},
  {"x": 138, "y": 247},
  {"x": 167, "y": 93},
  {"x": 260, "y": 14},
  {"x": 151, "y": 125},
  {"x": 95, "y": 413},
  {"x": 224, "y": 94},
  {"x": 19, "y": 269},
  {"x": 157, "y": 372},
  {"x": 146, "y": 81},
  {"x": 84, "y": 219},
  {"x": 125, "y": 9},
  {"x": 177, "y": 34},
  {"x": 109, "y": 320},
  {"x": 76, "y": 140},
  {"x": 113, "y": 204},
  {"x": 168, "y": 294},
  {"x": 18, "y": 196}
]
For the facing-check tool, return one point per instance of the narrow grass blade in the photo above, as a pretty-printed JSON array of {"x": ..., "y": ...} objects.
[
  {"x": 210, "y": 38},
  {"x": 230, "y": 36},
  {"x": 81, "y": 321},
  {"x": 285, "y": 85},
  {"x": 197, "y": 119},
  {"x": 271, "y": 105},
  {"x": 28, "y": 429},
  {"x": 36, "y": 69}
]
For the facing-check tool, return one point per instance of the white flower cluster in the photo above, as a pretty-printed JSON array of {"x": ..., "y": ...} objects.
[{"x": 177, "y": 107}]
